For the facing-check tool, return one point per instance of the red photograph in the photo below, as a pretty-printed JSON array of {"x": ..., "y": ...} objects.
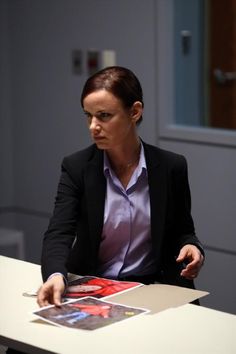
[{"x": 97, "y": 287}]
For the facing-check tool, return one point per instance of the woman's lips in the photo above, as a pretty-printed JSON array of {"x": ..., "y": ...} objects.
[{"x": 98, "y": 138}]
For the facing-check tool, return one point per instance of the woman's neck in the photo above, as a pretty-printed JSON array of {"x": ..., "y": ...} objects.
[{"x": 125, "y": 157}]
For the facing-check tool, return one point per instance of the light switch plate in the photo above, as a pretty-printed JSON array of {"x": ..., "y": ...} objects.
[{"x": 77, "y": 61}]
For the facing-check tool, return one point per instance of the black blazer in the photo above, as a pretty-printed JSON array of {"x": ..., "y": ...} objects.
[{"x": 72, "y": 240}]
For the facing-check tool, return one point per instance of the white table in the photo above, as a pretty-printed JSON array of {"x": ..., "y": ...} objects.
[{"x": 185, "y": 329}]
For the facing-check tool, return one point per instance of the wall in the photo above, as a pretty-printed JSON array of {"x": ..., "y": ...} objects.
[
  {"x": 47, "y": 122},
  {"x": 6, "y": 175}
]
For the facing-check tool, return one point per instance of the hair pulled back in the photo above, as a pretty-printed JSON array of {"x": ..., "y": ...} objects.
[{"x": 119, "y": 81}]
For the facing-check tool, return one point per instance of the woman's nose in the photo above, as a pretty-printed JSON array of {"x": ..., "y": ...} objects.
[{"x": 94, "y": 125}]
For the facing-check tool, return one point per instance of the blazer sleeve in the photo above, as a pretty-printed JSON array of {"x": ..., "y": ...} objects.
[
  {"x": 182, "y": 198},
  {"x": 61, "y": 232}
]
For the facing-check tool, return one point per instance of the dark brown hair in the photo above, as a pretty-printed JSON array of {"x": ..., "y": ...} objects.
[{"x": 119, "y": 81}]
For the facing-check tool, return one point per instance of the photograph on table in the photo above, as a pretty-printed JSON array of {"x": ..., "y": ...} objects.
[
  {"x": 97, "y": 287},
  {"x": 88, "y": 313}
]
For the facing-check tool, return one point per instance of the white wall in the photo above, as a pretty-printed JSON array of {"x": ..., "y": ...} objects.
[
  {"x": 47, "y": 118},
  {"x": 47, "y": 122},
  {"x": 6, "y": 146}
]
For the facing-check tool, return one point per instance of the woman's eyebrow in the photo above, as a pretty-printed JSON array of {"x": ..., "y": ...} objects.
[{"x": 97, "y": 112}]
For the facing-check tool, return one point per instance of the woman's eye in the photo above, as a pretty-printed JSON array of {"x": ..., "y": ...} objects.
[
  {"x": 104, "y": 116},
  {"x": 87, "y": 115}
]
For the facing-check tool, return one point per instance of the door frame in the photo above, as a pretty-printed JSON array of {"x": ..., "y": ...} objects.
[{"x": 167, "y": 128}]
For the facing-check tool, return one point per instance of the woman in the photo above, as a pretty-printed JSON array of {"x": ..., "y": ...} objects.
[{"x": 123, "y": 207}]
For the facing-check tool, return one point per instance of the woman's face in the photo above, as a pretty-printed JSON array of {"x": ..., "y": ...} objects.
[
  {"x": 110, "y": 124},
  {"x": 82, "y": 288}
]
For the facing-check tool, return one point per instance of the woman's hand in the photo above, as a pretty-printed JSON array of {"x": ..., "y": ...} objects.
[
  {"x": 194, "y": 261},
  {"x": 51, "y": 291}
]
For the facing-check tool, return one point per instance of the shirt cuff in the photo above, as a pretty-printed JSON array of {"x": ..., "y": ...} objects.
[{"x": 58, "y": 273}]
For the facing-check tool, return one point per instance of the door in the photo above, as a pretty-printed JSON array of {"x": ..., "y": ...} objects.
[{"x": 222, "y": 63}]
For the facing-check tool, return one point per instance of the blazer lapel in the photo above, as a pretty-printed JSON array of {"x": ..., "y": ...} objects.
[{"x": 95, "y": 189}]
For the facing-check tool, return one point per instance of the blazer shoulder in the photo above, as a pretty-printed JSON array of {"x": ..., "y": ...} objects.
[
  {"x": 81, "y": 157},
  {"x": 154, "y": 153},
  {"x": 76, "y": 163}
]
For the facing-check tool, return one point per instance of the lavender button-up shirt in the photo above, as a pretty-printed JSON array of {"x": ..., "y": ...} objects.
[{"x": 126, "y": 247}]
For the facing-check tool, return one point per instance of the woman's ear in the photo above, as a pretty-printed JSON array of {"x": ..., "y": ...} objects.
[{"x": 136, "y": 111}]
